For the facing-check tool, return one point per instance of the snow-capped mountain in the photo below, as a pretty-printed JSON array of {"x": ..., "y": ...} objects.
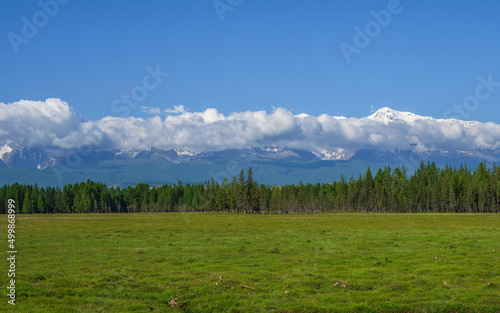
[
  {"x": 387, "y": 115},
  {"x": 337, "y": 154},
  {"x": 172, "y": 155},
  {"x": 16, "y": 155}
]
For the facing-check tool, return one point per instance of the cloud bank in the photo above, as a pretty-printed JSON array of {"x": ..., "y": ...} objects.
[{"x": 53, "y": 124}]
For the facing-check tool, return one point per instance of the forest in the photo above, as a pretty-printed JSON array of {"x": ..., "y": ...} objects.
[{"x": 428, "y": 189}]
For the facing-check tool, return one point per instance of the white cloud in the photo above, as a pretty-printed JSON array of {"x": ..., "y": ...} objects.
[
  {"x": 178, "y": 109},
  {"x": 49, "y": 123},
  {"x": 52, "y": 123},
  {"x": 151, "y": 110}
]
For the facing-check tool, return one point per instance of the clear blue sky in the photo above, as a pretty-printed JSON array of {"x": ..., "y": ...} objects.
[{"x": 263, "y": 54}]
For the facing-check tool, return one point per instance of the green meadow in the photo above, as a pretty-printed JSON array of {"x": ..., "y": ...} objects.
[{"x": 285, "y": 263}]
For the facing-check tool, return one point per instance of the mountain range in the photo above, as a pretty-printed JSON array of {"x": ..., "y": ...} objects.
[{"x": 273, "y": 164}]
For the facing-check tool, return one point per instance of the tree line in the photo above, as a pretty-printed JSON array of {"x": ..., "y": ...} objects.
[{"x": 429, "y": 189}]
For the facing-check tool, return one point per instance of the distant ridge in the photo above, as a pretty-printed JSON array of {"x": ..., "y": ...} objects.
[{"x": 387, "y": 115}]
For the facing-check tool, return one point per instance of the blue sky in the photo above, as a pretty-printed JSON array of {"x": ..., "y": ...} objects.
[{"x": 260, "y": 55}]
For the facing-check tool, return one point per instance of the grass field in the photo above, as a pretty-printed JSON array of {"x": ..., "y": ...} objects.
[{"x": 139, "y": 262}]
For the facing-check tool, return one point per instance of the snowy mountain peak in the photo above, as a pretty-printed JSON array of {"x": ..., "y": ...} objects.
[
  {"x": 5, "y": 149},
  {"x": 387, "y": 115},
  {"x": 336, "y": 154},
  {"x": 183, "y": 152}
]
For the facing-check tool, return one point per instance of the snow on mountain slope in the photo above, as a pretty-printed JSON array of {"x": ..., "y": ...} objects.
[
  {"x": 338, "y": 154},
  {"x": 15, "y": 155},
  {"x": 387, "y": 115},
  {"x": 4, "y": 150},
  {"x": 184, "y": 152}
]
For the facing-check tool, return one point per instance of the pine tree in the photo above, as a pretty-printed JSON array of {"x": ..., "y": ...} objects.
[
  {"x": 252, "y": 192},
  {"x": 222, "y": 197},
  {"x": 241, "y": 192},
  {"x": 41, "y": 202},
  {"x": 233, "y": 195},
  {"x": 27, "y": 204}
]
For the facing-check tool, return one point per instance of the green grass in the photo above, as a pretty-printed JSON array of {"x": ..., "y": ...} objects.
[{"x": 139, "y": 262}]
